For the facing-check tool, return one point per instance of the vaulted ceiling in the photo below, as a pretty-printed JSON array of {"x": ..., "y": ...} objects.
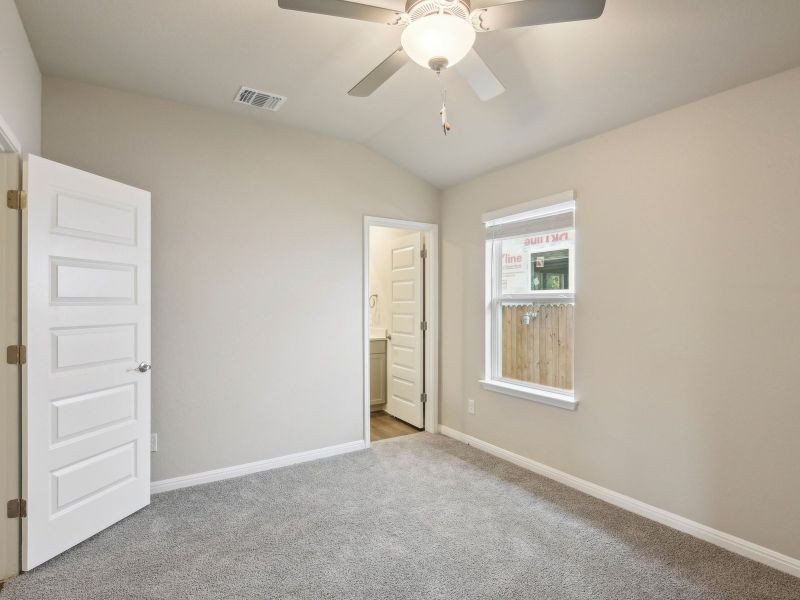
[{"x": 565, "y": 81}]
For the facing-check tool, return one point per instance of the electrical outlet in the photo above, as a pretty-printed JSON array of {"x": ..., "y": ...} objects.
[
  {"x": 471, "y": 406},
  {"x": 153, "y": 442}
]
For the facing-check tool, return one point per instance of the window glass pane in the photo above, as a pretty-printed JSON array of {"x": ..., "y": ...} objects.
[
  {"x": 536, "y": 340},
  {"x": 550, "y": 270},
  {"x": 537, "y": 263}
]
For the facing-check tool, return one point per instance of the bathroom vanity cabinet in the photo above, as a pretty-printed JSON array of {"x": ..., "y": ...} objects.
[{"x": 377, "y": 374}]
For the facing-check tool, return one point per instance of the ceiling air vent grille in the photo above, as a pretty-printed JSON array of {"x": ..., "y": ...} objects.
[{"x": 259, "y": 99}]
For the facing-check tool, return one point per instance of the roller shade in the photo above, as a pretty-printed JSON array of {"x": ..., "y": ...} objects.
[{"x": 550, "y": 218}]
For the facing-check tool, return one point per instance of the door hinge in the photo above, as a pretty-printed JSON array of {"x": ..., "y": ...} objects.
[
  {"x": 423, "y": 397},
  {"x": 17, "y": 199},
  {"x": 423, "y": 325},
  {"x": 423, "y": 253},
  {"x": 17, "y": 508},
  {"x": 16, "y": 355}
]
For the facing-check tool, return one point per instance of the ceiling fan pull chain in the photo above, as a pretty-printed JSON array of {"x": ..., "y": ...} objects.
[{"x": 445, "y": 123}]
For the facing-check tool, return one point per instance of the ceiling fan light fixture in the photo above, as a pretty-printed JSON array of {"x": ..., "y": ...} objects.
[{"x": 438, "y": 39}]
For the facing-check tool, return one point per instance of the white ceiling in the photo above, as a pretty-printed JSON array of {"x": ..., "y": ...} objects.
[{"x": 565, "y": 81}]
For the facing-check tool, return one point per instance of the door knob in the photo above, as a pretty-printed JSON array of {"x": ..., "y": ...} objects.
[{"x": 143, "y": 367}]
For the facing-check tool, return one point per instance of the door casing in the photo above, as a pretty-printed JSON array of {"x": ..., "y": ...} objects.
[
  {"x": 431, "y": 240},
  {"x": 10, "y": 425}
]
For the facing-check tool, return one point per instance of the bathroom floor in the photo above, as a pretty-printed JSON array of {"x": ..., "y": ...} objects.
[{"x": 384, "y": 426}]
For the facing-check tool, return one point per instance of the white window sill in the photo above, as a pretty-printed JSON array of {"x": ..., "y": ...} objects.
[{"x": 566, "y": 401}]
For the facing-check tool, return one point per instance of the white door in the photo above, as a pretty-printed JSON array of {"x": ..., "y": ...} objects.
[
  {"x": 405, "y": 382},
  {"x": 86, "y": 429}
]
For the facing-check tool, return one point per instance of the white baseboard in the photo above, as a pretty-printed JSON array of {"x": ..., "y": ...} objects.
[
  {"x": 174, "y": 483},
  {"x": 776, "y": 560}
]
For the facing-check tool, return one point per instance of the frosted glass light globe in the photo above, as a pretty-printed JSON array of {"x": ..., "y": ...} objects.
[{"x": 438, "y": 36}]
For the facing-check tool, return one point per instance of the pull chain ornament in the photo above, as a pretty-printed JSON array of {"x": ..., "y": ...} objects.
[
  {"x": 443, "y": 113},
  {"x": 445, "y": 124}
]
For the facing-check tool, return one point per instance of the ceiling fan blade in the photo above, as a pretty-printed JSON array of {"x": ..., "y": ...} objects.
[
  {"x": 380, "y": 74},
  {"x": 525, "y": 13},
  {"x": 344, "y": 8},
  {"x": 479, "y": 76}
]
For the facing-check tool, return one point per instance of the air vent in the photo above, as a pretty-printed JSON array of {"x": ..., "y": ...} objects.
[{"x": 259, "y": 99}]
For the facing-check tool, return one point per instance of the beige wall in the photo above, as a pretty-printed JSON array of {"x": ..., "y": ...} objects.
[
  {"x": 688, "y": 312},
  {"x": 257, "y": 268},
  {"x": 20, "y": 80}
]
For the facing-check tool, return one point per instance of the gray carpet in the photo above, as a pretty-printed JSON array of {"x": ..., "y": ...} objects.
[{"x": 418, "y": 516}]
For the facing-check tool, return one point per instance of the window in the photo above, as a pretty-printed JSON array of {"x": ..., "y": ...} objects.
[{"x": 530, "y": 300}]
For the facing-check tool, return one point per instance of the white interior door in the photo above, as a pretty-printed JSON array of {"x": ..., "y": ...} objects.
[
  {"x": 405, "y": 381},
  {"x": 86, "y": 428}
]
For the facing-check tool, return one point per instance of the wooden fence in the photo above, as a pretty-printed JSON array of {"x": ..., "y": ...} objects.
[{"x": 541, "y": 351}]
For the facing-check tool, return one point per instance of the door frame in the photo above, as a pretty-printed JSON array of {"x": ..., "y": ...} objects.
[
  {"x": 9, "y": 144},
  {"x": 431, "y": 313}
]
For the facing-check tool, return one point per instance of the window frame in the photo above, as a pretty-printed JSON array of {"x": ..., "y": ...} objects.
[{"x": 494, "y": 300}]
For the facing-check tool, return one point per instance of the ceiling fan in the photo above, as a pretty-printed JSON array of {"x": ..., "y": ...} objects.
[{"x": 439, "y": 34}]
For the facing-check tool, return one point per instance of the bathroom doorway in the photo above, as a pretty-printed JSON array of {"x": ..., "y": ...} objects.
[{"x": 400, "y": 328}]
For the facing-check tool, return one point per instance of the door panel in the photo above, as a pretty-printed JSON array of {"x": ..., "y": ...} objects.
[
  {"x": 405, "y": 380},
  {"x": 92, "y": 282},
  {"x": 94, "y": 218},
  {"x": 87, "y": 327},
  {"x": 91, "y": 412}
]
